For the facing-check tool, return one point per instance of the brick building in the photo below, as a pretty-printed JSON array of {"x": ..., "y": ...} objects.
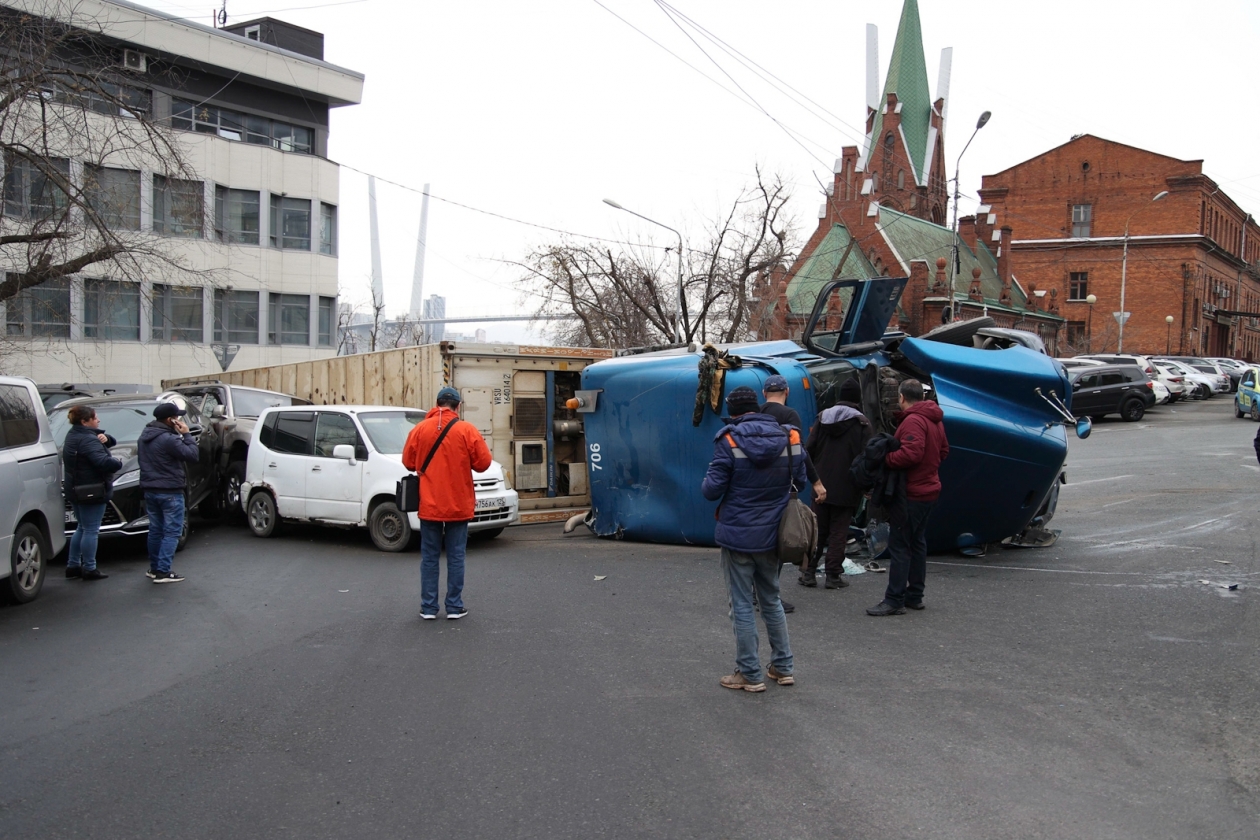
[
  {"x": 886, "y": 210},
  {"x": 1192, "y": 253}
]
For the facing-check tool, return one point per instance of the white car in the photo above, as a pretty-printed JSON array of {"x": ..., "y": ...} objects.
[
  {"x": 1173, "y": 381},
  {"x": 1162, "y": 394},
  {"x": 31, "y": 505},
  {"x": 340, "y": 465},
  {"x": 1198, "y": 385}
]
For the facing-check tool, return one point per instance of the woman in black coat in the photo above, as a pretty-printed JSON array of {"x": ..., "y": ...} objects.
[
  {"x": 837, "y": 438},
  {"x": 87, "y": 462}
]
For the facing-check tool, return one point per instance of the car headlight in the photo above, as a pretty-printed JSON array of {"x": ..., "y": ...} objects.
[
  {"x": 127, "y": 479},
  {"x": 507, "y": 482}
]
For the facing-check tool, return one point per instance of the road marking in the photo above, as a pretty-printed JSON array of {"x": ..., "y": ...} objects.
[{"x": 1097, "y": 480}]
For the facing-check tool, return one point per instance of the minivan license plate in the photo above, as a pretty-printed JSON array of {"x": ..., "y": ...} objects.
[{"x": 486, "y": 504}]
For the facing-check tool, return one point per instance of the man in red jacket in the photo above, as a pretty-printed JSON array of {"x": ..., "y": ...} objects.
[
  {"x": 923, "y": 446},
  {"x": 447, "y": 498}
]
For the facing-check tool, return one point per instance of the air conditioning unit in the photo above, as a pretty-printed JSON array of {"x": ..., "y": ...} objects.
[{"x": 134, "y": 60}]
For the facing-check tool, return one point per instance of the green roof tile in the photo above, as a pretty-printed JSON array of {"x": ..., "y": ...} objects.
[{"x": 821, "y": 267}]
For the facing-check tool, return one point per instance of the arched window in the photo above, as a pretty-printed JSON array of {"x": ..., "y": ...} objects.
[
  {"x": 901, "y": 179},
  {"x": 888, "y": 143}
]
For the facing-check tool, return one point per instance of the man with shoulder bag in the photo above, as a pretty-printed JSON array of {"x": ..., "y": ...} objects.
[
  {"x": 445, "y": 452},
  {"x": 755, "y": 468}
]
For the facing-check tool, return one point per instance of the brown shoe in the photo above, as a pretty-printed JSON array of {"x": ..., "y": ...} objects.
[
  {"x": 782, "y": 679},
  {"x": 738, "y": 680}
]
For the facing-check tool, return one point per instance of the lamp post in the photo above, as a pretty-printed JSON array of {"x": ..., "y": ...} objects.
[
  {"x": 1168, "y": 319},
  {"x": 680, "y": 324},
  {"x": 953, "y": 269},
  {"x": 1089, "y": 341},
  {"x": 1124, "y": 268}
]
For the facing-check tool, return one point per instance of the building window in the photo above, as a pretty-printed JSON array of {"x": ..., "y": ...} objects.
[
  {"x": 290, "y": 223},
  {"x": 234, "y": 125},
  {"x": 289, "y": 319},
  {"x": 177, "y": 313},
  {"x": 327, "y": 229},
  {"x": 901, "y": 179},
  {"x": 30, "y": 192},
  {"x": 41, "y": 311},
  {"x": 235, "y": 317},
  {"x": 114, "y": 195},
  {"x": 111, "y": 310},
  {"x": 1082, "y": 215},
  {"x": 1078, "y": 285},
  {"x": 179, "y": 207},
  {"x": 1076, "y": 334},
  {"x": 253, "y": 33},
  {"x": 236, "y": 216},
  {"x": 327, "y": 318}
]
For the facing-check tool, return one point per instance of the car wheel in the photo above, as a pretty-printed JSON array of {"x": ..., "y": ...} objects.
[
  {"x": 261, "y": 515},
  {"x": 232, "y": 489},
  {"x": 388, "y": 527},
  {"x": 184, "y": 531},
  {"x": 1238, "y": 412},
  {"x": 28, "y": 561},
  {"x": 1132, "y": 411},
  {"x": 1255, "y": 410}
]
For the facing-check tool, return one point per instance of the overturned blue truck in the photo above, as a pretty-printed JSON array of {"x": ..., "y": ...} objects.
[{"x": 650, "y": 419}]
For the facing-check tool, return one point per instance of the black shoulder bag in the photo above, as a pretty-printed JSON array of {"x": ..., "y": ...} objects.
[
  {"x": 85, "y": 494},
  {"x": 407, "y": 491}
]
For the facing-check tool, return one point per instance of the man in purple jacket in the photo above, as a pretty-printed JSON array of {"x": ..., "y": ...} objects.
[{"x": 750, "y": 474}]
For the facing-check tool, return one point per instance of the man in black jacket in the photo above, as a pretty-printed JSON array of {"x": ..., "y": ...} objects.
[
  {"x": 839, "y": 436},
  {"x": 165, "y": 447}
]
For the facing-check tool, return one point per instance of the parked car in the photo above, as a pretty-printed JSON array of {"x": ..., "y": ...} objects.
[
  {"x": 55, "y": 395},
  {"x": 1232, "y": 368},
  {"x": 1199, "y": 386},
  {"x": 1221, "y": 383},
  {"x": 1162, "y": 394},
  {"x": 1111, "y": 389},
  {"x": 233, "y": 410},
  {"x": 1171, "y": 380},
  {"x": 124, "y": 417},
  {"x": 339, "y": 465},
  {"x": 1077, "y": 361},
  {"x": 30, "y": 490},
  {"x": 1247, "y": 400},
  {"x": 1142, "y": 362}
]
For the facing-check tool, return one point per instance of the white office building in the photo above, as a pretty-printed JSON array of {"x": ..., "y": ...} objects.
[{"x": 250, "y": 104}]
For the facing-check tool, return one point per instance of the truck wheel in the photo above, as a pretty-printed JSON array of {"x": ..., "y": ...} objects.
[
  {"x": 232, "y": 490},
  {"x": 388, "y": 527},
  {"x": 1132, "y": 411},
  {"x": 28, "y": 561},
  {"x": 262, "y": 514}
]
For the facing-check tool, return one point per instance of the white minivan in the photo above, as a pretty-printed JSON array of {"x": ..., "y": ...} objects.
[
  {"x": 31, "y": 503},
  {"x": 340, "y": 464}
]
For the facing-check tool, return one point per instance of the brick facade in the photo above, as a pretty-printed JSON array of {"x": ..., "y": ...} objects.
[{"x": 1192, "y": 254}]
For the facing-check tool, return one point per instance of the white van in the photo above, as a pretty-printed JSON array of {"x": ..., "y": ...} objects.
[
  {"x": 31, "y": 503},
  {"x": 340, "y": 464}
]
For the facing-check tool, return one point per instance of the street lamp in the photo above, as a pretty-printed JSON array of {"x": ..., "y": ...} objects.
[
  {"x": 1124, "y": 268},
  {"x": 680, "y": 324},
  {"x": 1168, "y": 319},
  {"x": 953, "y": 271},
  {"x": 1089, "y": 342}
]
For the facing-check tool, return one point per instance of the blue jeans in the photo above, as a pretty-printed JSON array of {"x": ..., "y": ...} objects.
[
  {"x": 432, "y": 537},
  {"x": 83, "y": 543},
  {"x": 166, "y": 521},
  {"x": 907, "y": 543},
  {"x": 744, "y": 572}
]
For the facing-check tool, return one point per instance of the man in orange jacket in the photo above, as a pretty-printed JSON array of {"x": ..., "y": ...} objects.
[{"x": 447, "y": 499}]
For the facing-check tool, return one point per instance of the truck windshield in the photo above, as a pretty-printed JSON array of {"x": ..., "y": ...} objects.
[
  {"x": 250, "y": 403},
  {"x": 388, "y": 430}
]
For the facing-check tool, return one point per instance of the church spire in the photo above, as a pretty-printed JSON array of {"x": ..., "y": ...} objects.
[{"x": 907, "y": 78}]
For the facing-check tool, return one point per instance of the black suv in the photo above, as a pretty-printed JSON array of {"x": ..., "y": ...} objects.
[
  {"x": 124, "y": 417},
  {"x": 1111, "y": 389}
]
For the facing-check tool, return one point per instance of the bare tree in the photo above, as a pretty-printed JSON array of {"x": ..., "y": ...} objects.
[
  {"x": 76, "y": 130},
  {"x": 628, "y": 297}
]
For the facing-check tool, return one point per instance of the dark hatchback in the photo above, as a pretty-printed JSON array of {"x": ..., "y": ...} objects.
[
  {"x": 1111, "y": 389},
  {"x": 124, "y": 417}
]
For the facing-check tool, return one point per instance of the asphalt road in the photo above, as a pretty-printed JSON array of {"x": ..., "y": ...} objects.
[{"x": 288, "y": 688}]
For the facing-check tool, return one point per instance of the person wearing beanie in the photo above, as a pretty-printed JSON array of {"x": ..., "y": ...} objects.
[
  {"x": 445, "y": 452},
  {"x": 755, "y": 464},
  {"x": 838, "y": 437}
]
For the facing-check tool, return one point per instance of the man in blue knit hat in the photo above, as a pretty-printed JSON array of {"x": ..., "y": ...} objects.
[{"x": 755, "y": 463}]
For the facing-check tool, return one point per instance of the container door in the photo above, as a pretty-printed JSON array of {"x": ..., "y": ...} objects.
[
  {"x": 478, "y": 408},
  {"x": 334, "y": 486}
]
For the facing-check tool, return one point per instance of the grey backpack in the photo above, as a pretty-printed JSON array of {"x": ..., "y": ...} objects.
[{"x": 798, "y": 527}]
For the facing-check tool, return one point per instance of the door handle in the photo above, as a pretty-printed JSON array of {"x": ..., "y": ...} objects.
[
  {"x": 316, "y": 469},
  {"x": 273, "y": 466}
]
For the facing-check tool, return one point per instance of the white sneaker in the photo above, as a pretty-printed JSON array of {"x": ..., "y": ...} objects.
[{"x": 427, "y": 616}]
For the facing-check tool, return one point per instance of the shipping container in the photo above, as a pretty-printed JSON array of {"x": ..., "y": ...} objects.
[{"x": 515, "y": 395}]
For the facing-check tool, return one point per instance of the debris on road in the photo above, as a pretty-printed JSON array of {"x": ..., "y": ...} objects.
[{"x": 600, "y": 577}]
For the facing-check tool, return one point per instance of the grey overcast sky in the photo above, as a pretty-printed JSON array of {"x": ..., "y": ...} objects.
[{"x": 538, "y": 110}]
